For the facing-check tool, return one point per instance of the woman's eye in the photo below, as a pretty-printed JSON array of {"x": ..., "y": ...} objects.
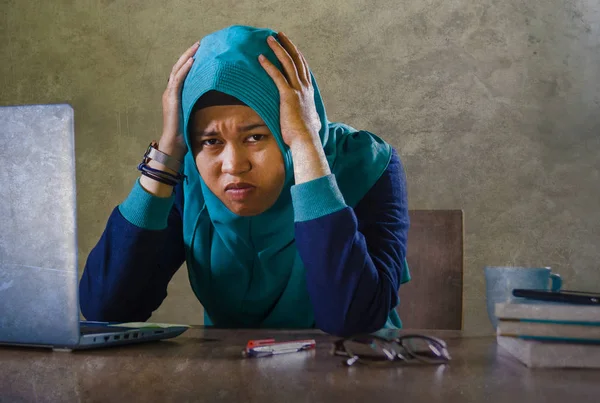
[
  {"x": 256, "y": 137},
  {"x": 209, "y": 142}
]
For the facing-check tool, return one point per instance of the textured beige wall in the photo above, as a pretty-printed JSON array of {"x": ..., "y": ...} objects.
[{"x": 492, "y": 105}]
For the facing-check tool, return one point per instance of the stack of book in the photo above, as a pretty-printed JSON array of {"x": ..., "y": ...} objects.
[{"x": 550, "y": 335}]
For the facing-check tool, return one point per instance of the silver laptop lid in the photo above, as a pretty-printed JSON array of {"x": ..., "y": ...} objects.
[{"x": 39, "y": 302}]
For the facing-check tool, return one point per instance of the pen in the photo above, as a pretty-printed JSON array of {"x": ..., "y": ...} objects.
[{"x": 269, "y": 347}]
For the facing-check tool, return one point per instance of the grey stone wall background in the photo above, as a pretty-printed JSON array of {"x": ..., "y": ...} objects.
[{"x": 493, "y": 107}]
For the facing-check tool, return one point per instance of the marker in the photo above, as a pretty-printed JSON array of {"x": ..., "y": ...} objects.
[{"x": 269, "y": 347}]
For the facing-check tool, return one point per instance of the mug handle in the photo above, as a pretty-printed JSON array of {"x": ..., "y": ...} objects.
[{"x": 556, "y": 282}]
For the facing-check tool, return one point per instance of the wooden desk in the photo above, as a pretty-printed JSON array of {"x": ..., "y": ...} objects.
[{"x": 206, "y": 365}]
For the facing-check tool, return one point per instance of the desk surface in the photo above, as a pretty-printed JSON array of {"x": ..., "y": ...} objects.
[{"x": 206, "y": 365}]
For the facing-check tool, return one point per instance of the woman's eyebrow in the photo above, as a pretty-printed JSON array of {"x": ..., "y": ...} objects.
[
  {"x": 209, "y": 133},
  {"x": 242, "y": 129},
  {"x": 251, "y": 126}
]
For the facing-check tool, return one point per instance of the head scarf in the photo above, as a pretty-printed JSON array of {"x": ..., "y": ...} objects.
[{"x": 246, "y": 271}]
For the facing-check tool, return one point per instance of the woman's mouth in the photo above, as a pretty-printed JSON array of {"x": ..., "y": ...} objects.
[{"x": 239, "y": 191}]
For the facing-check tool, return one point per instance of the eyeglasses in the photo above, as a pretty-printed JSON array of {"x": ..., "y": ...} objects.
[{"x": 410, "y": 348}]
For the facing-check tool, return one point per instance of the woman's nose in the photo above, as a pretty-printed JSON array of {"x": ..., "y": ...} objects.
[{"x": 235, "y": 160}]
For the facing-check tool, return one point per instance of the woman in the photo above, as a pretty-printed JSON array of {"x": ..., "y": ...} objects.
[{"x": 285, "y": 219}]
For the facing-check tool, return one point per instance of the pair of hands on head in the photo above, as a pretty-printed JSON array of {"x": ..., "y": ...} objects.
[{"x": 300, "y": 123}]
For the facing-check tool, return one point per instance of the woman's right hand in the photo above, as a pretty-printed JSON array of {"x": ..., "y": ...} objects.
[{"x": 172, "y": 141}]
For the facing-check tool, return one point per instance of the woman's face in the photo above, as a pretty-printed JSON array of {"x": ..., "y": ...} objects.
[{"x": 237, "y": 157}]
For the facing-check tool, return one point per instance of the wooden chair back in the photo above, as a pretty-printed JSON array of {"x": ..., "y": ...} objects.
[{"x": 435, "y": 255}]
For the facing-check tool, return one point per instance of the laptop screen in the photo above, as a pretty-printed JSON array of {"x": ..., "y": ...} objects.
[{"x": 38, "y": 245}]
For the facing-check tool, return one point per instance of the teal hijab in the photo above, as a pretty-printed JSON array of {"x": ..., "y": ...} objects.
[{"x": 246, "y": 271}]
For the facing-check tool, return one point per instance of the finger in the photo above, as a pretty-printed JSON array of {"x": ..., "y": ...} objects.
[
  {"x": 295, "y": 55},
  {"x": 177, "y": 78},
  {"x": 286, "y": 61},
  {"x": 184, "y": 57},
  {"x": 306, "y": 69},
  {"x": 274, "y": 73}
]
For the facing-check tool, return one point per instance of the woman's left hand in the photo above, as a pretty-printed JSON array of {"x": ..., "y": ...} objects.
[
  {"x": 300, "y": 123},
  {"x": 299, "y": 120}
]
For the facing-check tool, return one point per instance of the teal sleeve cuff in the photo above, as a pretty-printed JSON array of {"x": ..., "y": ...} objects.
[
  {"x": 145, "y": 210},
  {"x": 316, "y": 198}
]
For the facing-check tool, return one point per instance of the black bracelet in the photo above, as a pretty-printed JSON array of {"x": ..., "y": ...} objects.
[
  {"x": 159, "y": 179},
  {"x": 160, "y": 176},
  {"x": 176, "y": 177}
]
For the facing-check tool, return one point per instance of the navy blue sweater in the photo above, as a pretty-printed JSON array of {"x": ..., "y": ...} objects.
[{"x": 353, "y": 258}]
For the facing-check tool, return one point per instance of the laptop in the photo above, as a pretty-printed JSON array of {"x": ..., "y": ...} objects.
[{"x": 39, "y": 298}]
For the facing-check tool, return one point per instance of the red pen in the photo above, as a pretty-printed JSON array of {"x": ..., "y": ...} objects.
[{"x": 269, "y": 347}]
